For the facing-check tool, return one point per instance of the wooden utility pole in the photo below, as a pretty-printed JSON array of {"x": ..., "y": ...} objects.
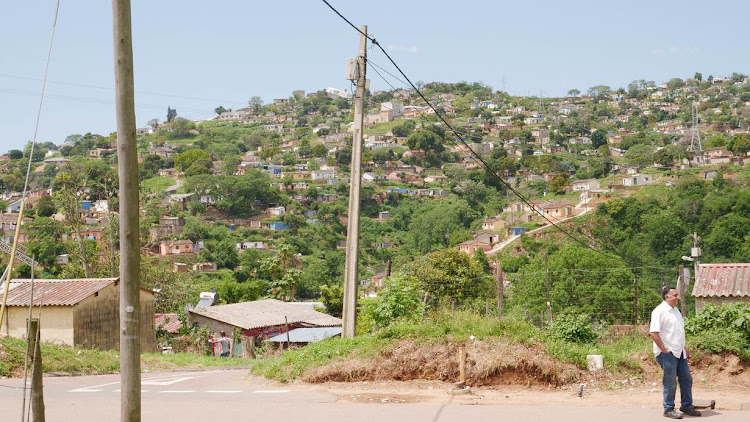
[
  {"x": 546, "y": 283},
  {"x": 37, "y": 388},
  {"x": 500, "y": 287},
  {"x": 351, "y": 279},
  {"x": 130, "y": 258},
  {"x": 635, "y": 299}
]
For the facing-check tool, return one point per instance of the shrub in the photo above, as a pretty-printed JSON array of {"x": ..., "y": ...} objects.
[
  {"x": 574, "y": 328},
  {"x": 400, "y": 298},
  {"x": 722, "y": 329}
]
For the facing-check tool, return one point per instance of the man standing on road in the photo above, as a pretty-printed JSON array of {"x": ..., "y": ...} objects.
[{"x": 670, "y": 348}]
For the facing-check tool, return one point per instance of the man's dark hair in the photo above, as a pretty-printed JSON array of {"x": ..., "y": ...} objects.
[
  {"x": 223, "y": 333},
  {"x": 665, "y": 291}
]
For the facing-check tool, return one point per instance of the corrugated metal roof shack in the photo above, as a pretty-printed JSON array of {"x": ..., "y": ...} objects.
[
  {"x": 76, "y": 312},
  {"x": 721, "y": 283},
  {"x": 259, "y": 319}
]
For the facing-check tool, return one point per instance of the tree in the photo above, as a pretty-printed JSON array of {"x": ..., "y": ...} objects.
[
  {"x": 184, "y": 160},
  {"x": 425, "y": 140},
  {"x": 559, "y": 183},
  {"x": 199, "y": 166},
  {"x": 256, "y": 103},
  {"x": 675, "y": 83},
  {"x": 739, "y": 144},
  {"x": 698, "y": 76},
  {"x": 180, "y": 128},
  {"x": 45, "y": 207},
  {"x": 45, "y": 235},
  {"x": 171, "y": 114},
  {"x": 153, "y": 123},
  {"x": 450, "y": 274},
  {"x": 599, "y": 138},
  {"x": 15, "y": 154},
  {"x": 404, "y": 129},
  {"x": 600, "y": 92},
  {"x": 332, "y": 297},
  {"x": 640, "y": 155},
  {"x": 400, "y": 298},
  {"x": 574, "y": 92},
  {"x": 220, "y": 109}
]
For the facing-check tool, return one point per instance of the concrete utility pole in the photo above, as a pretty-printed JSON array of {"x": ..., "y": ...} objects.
[
  {"x": 351, "y": 279},
  {"x": 130, "y": 258}
]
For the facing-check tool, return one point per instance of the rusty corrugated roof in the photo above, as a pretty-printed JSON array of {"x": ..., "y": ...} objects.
[
  {"x": 55, "y": 292},
  {"x": 729, "y": 280}
]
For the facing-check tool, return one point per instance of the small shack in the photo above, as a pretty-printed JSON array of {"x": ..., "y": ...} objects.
[
  {"x": 260, "y": 319},
  {"x": 76, "y": 312},
  {"x": 721, "y": 283}
]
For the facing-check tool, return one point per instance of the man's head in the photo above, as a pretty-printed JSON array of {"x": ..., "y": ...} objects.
[
  {"x": 223, "y": 333},
  {"x": 670, "y": 295}
]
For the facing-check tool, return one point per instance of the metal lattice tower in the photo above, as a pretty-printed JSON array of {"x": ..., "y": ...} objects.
[{"x": 695, "y": 134}]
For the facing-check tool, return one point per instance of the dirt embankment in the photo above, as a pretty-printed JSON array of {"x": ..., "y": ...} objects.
[{"x": 496, "y": 362}]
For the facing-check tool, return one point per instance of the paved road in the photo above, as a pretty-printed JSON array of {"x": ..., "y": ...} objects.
[{"x": 227, "y": 395}]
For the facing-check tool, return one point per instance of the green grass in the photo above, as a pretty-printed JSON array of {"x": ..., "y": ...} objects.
[
  {"x": 158, "y": 183},
  {"x": 382, "y": 128},
  {"x": 91, "y": 361}
]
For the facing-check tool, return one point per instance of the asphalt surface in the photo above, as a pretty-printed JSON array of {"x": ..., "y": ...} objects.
[{"x": 229, "y": 395}]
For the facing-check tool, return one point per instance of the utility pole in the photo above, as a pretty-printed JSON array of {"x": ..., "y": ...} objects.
[
  {"x": 635, "y": 299},
  {"x": 681, "y": 288},
  {"x": 500, "y": 287},
  {"x": 130, "y": 258},
  {"x": 549, "y": 299},
  {"x": 37, "y": 390},
  {"x": 351, "y": 279}
]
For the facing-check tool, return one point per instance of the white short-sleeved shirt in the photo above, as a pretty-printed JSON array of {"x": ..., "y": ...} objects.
[{"x": 668, "y": 322}]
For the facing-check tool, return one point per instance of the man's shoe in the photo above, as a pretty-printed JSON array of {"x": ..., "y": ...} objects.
[
  {"x": 671, "y": 413},
  {"x": 690, "y": 412}
]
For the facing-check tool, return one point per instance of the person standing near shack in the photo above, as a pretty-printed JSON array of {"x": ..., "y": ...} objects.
[
  {"x": 668, "y": 332},
  {"x": 225, "y": 343}
]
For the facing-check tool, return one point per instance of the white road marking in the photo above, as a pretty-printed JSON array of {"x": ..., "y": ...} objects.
[
  {"x": 224, "y": 391},
  {"x": 166, "y": 381},
  {"x": 270, "y": 391},
  {"x": 177, "y": 391}
]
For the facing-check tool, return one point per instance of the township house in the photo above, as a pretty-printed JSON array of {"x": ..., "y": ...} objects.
[
  {"x": 176, "y": 247},
  {"x": 471, "y": 246},
  {"x": 721, "y": 283},
  {"x": 76, "y": 312}
]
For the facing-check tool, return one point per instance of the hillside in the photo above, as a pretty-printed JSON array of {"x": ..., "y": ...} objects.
[{"x": 257, "y": 197}]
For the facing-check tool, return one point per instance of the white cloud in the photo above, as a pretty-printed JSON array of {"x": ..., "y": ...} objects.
[{"x": 412, "y": 49}]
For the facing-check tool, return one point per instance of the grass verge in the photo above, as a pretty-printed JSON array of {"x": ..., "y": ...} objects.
[{"x": 91, "y": 362}]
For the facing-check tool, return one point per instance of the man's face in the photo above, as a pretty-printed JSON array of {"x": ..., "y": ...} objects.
[{"x": 672, "y": 297}]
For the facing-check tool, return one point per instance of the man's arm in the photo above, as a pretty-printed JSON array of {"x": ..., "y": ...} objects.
[{"x": 659, "y": 343}]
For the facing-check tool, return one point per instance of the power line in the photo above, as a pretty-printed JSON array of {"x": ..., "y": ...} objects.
[
  {"x": 137, "y": 92},
  {"x": 466, "y": 145},
  {"x": 94, "y": 100}
]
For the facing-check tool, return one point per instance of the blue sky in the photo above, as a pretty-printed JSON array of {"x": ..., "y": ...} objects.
[{"x": 195, "y": 56}]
